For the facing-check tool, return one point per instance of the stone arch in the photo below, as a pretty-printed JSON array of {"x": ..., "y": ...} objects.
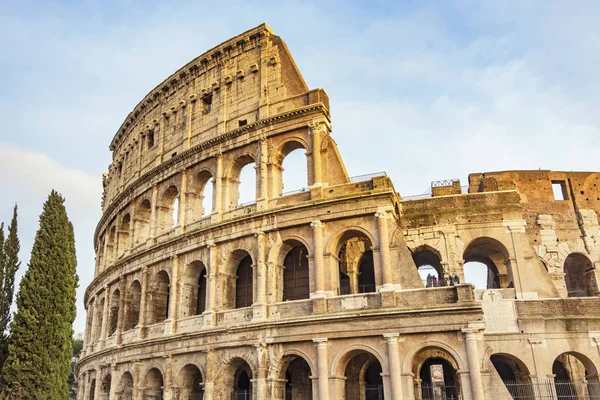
[
  {"x": 353, "y": 363},
  {"x": 575, "y": 376},
  {"x": 353, "y": 249},
  {"x": 142, "y": 220},
  {"x": 422, "y": 359},
  {"x": 580, "y": 277},
  {"x": 190, "y": 382},
  {"x": 229, "y": 379},
  {"x": 124, "y": 234},
  {"x": 428, "y": 260},
  {"x": 193, "y": 289},
  {"x": 113, "y": 314},
  {"x": 167, "y": 209},
  {"x": 239, "y": 288},
  {"x": 495, "y": 256},
  {"x": 158, "y": 299},
  {"x": 514, "y": 374},
  {"x": 275, "y": 260},
  {"x": 294, "y": 377},
  {"x": 410, "y": 356},
  {"x": 92, "y": 394},
  {"x": 106, "y": 384},
  {"x": 133, "y": 300},
  {"x": 341, "y": 359},
  {"x": 98, "y": 319},
  {"x": 197, "y": 205},
  {"x": 232, "y": 194},
  {"x": 288, "y": 146},
  {"x": 154, "y": 383},
  {"x": 111, "y": 244},
  {"x": 125, "y": 387},
  {"x": 296, "y": 275}
]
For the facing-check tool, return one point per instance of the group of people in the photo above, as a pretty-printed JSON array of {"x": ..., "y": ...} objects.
[{"x": 433, "y": 281}]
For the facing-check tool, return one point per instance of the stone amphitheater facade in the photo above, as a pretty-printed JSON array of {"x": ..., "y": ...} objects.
[{"x": 317, "y": 294}]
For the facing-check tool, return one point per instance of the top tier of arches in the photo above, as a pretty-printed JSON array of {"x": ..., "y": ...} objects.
[{"x": 235, "y": 91}]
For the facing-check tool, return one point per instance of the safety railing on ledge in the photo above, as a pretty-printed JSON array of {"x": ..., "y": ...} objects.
[
  {"x": 367, "y": 177},
  {"x": 427, "y": 194}
]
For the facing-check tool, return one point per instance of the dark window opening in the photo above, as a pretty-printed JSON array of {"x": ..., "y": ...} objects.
[
  {"x": 174, "y": 154},
  {"x": 151, "y": 139},
  {"x": 206, "y": 104},
  {"x": 243, "y": 122}
]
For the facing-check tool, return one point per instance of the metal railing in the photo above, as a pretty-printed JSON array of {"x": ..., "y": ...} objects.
[
  {"x": 242, "y": 394},
  {"x": 368, "y": 288},
  {"x": 440, "y": 393},
  {"x": 373, "y": 392},
  {"x": 295, "y": 393},
  {"x": 553, "y": 390},
  {"x": 443, "y": 183},
  {"x": 367, "y": 177}
]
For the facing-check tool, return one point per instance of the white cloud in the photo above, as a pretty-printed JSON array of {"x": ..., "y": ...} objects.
[{"x": 26, "y": 178}]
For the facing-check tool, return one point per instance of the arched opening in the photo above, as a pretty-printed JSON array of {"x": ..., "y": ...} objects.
[
  {"x": 190, "y": 383},
  {"x": 487, "y": 264},
  {"x": 363, "y": 377},
  {"x": 242, "y": 383},
  {"x": 429, "y": 266},
  {"x": 580, "y": 276},
  {"x": 242, "y": 182},
  {"x": 105, "y": 387},
  {"x": 113, "y": 318},
  {"x": 124, "y": 229},
  {"x": 100, "y": 253},
  {"x": 290, "y": 168},
  {"x": 437, "y": 373},
  {"x": 132, "y": 306},
  {"x": 92, "y": 394},
  {"x": 515, "y": 376},
  {"x": 98, "y": 320},
  {"x": 193, "y": 290},
  {"x": 111, "y": 244},
  {"x": 142, "y": 221},
  {"x": 298, "y": 385},
  {"x": 159, "y": 298},
  {"x": 199, "y": 197},
  {"x": 243, "y": 285},
  {"x": 89, "y": 338},
  {"x": 168, "y": 209},
  {"x": 575, "y": 377},
  {"x": 125, "y": 388},
  {"x": 153, "y": 385},
  {"x": 296, "y": 274},
  {"x": 356, "y": 267}
]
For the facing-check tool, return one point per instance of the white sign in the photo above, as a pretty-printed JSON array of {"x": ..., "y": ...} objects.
[{"x": 499, "y": 314}]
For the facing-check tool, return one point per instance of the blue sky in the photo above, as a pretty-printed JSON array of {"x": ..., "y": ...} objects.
[{"x": 423, "y": 90}]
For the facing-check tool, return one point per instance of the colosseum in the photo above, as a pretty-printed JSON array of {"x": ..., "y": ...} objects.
[{"x": 341, "y": 290}]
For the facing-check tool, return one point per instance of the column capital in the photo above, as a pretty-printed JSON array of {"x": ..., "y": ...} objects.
[
  {"x": 259, "y": 234},
  {"x": 391, "y": 337},
  {"x": 381, "y": 214},
  {"x": 320, "y": 341},
  {"x": 316, "y": 224}
]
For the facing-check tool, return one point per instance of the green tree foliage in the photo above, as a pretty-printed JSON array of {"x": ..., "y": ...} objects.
[
  {"x": 9, "y": 265},
  {"x": 41, "y": 343}
]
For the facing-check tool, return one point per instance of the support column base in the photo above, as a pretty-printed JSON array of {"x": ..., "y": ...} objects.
[
  {"x": 319, "y": 305},
  {"x": 210, "y": 319},
  {"x": 388, "y": 298},
  {"x": 259, "y": 312}
]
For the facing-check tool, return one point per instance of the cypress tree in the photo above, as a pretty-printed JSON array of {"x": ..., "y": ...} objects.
[
  {"x": 10, "y": 266},
  {"x": 40, "y": 348}
]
